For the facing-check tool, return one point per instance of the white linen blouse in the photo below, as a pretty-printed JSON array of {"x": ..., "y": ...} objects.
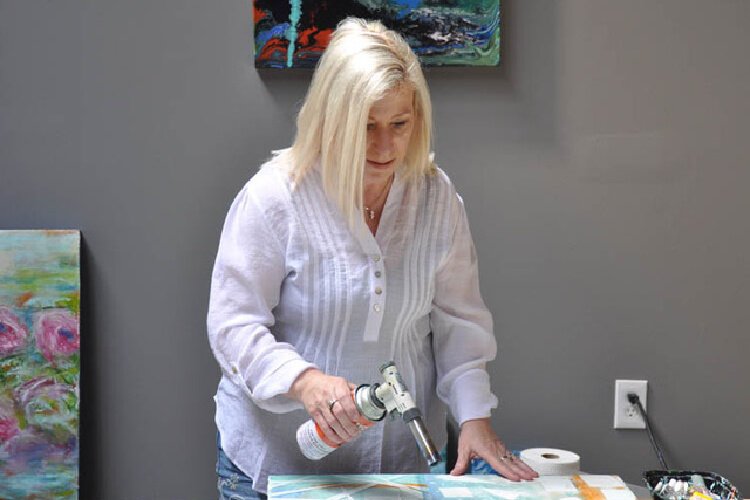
[{"x": 293, "y": 287}]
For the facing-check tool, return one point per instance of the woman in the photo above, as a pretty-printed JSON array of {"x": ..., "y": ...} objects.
[{"x": 345, "y": 251}]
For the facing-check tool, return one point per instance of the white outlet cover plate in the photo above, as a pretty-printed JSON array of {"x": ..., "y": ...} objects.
[{"x": 627, "y": 415}]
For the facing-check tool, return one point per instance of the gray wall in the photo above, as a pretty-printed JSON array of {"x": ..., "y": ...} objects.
[{"x": 605, "y": 168}]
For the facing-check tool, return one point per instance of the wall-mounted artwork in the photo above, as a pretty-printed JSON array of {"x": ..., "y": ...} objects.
[
  {"x": 39, "y": 363},
  {"x": 294, "y": 33}
]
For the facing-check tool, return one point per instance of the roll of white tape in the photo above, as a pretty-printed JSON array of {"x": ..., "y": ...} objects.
[{"x": 552, "y": 462}]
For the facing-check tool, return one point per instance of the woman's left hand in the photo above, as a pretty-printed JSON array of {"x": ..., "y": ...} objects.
[{"x": 477, "y": 439}]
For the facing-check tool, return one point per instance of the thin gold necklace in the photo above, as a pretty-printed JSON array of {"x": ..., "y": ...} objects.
[{"x": 370, "y": 213}]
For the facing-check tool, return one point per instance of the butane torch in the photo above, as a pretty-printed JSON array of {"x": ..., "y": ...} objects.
[
  {"x": 377, "y": 400},
  {"x": 374, "y": 402}
]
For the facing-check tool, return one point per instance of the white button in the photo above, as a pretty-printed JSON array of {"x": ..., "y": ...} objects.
[
  {"x": 378, "y": 274},
  {"x": 378, "y": 290},
  {"x": 376, "y": 307},
  {"x": 376, "y": 258}
]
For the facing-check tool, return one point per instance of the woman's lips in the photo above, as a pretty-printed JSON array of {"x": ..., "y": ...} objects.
[{"x": 377, "y": 164}]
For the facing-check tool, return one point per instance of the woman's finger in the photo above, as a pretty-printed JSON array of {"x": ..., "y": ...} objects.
[
  {"x": 462, "y": 463},
  {"x": 503, "y": 465},
  {"x": 511, "y": 466},
  {"x": 336, "y": 424},
  {"x": 349, "y": 409},
  {"x": 325, "y": 420},
  {"x": 523, "y": 469},
  {"x": 348, "y": 425}
]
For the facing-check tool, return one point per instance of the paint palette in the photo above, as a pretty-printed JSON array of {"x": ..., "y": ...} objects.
[{"x": 438, "y": 486}]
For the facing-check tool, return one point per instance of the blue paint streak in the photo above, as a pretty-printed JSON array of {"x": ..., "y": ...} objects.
[
  {"x": 406, "y": 7},
  {"x": 278, "y": 31},
  {"x": 291, "y": 34},
  {"x": 408, "y": 4}
]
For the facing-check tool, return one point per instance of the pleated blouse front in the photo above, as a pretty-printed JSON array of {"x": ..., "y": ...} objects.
[{"x": 294, "y": 287}]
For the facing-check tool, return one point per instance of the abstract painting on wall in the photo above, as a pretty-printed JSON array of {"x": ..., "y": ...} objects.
[
  {"x": 39, "y": 363},
  {"x": 294, "y": 33}
]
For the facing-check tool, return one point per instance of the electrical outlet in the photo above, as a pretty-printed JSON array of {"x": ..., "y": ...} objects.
[{"x": 627, "y": 415}]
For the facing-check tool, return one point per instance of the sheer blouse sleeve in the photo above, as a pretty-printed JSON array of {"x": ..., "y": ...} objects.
[{"x": 245, "y": 287}]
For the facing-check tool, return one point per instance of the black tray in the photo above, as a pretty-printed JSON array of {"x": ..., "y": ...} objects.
[{"x": 716, "y": 484}]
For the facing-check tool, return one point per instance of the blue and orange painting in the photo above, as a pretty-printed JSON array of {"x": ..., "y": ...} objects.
[
  {"x": 294, "y": 33},
  {"x": 39, "y": 363}
]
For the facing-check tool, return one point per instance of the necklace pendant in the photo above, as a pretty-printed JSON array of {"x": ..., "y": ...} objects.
[{"x": 371, "y": 213}]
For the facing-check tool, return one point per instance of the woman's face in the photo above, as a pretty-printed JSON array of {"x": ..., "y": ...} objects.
[{"x": 389, "y": 127}]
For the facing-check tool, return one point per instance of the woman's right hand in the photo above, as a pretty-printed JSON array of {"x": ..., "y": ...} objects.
[{"x": 315, "y": 390}]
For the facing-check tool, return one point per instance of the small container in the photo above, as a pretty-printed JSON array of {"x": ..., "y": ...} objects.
[{"x": 715, "y": 485}]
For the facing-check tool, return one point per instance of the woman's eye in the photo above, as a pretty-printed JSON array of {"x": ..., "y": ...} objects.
[
  {"x": 370, "y": 126},
  {"x": 399, "y": 124}
]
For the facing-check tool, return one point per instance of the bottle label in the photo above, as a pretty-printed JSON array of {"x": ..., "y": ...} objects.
[{"x": 311, "y": 442}]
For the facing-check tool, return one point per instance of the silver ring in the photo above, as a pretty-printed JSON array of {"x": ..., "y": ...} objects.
[{"x": 332, "y": 402}]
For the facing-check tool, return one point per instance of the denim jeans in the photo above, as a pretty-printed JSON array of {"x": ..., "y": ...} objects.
[{"x": 232, "y": 483}]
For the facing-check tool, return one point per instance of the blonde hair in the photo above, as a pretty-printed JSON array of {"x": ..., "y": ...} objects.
[{"x": 363, "y": 62}]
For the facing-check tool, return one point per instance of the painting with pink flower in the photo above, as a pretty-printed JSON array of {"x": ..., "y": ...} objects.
[{"x": 40, "y": 342}]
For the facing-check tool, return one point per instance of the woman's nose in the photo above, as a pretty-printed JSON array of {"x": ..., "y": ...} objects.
[{"x": 381, "y": 141}]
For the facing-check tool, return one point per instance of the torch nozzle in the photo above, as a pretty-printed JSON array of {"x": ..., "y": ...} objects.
[{"x": 424, "y": 441}]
